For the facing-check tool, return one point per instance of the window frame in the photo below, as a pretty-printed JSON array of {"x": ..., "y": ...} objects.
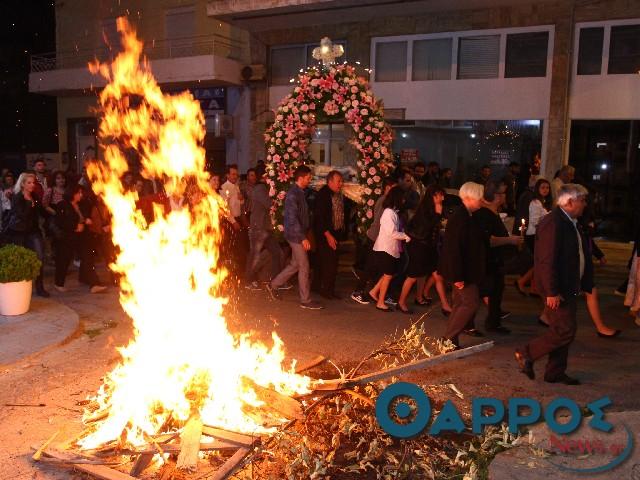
[
  {"x": 606, "y": 44},
  {"x": 455, "y": 39}
]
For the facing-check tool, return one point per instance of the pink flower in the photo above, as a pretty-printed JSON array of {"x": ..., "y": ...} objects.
[
  {"x": 369, "y": 213},
  {"x": 376, "y": 154},
  {"x": 282, "y": 194},
  {"x": 282, "y": 176},
  {"x": 364, "y": 111},
  {"x": 377, "y": 191},
  {"x": 370, "y": 202},
  {"x": 369, "y": 180},
  {"x": 304, "y": 107},
  {"x": 354, "y": 89},
  {"x": 279, "y": 133},
  {"x": 281, "y": 228},
  {"x": 372, "y": 171},
  {"x": 331, "y": 108},
  {"x": 376, "y": 179},
  {"x": 276, "y": 158},
  {"x": 363, "y": 174}
]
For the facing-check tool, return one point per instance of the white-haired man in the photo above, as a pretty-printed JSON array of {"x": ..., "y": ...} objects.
[
  {"x": 463, "y": 260},
  {"x": 562, "y": 270}
]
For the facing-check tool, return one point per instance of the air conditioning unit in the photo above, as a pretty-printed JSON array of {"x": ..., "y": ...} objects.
[
  {"x": 254, "y": 73},
  {"x": 223, "y": 125}
]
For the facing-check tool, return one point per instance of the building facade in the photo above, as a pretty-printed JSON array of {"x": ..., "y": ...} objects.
[{"x": 464, "y": 82}]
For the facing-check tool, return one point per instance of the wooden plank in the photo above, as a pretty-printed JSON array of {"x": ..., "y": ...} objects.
[
  {"x": 287, "y": 406},
  {"x": 231, "y": 464},
  {"x": 314, "y": 362},
  {"x": 176, "y": 447},
  {"x": 141, "y": 463},
  {"x": 100, "y": 472},
  {"x": 339, "y": 384},
  {"x": 240, "y": 439},
  {"x": 190, "y": 439}
]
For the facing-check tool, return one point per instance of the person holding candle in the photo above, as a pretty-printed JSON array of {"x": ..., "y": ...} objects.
[{"x": 539, "y": 206}]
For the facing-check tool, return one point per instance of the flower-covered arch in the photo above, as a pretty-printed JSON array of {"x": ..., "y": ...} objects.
[{"x": 328, "y": 93}]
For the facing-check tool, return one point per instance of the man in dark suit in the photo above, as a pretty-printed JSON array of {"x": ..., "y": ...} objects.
[
  {"x": 561, "y": 270},
  {"x": 463, "y": 261},
  {"x": 329, "y": 228}
]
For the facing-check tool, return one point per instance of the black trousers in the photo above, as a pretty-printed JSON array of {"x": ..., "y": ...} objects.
[
  {"x": 495, "y": 291},
  {"x": 325, "y": 269},
  {"x": 556, "y": 340},
  {"x": 465, "y": 305},
  {"x": 84, "y": 245}
]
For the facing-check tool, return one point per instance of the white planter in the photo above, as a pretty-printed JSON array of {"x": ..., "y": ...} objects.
[{"x": 15, "y": 297}]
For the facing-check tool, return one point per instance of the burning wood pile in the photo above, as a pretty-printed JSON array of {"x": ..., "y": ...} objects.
[{"x": 187, "y": 395}]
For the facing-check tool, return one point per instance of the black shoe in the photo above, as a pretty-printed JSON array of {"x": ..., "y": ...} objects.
[
  {"x": 526, "y": 365},
  {"x": 41, "y": 292},
  {"x": 613, "y": 335},
  {"x": 273, "y": 293},
  {"x": 564, "y": 378},
  {"x": 388, "y": 309},
  {"x": 499, "y": 329},
  {"x": 424, "y": 303},
  {"x": 472, "y": 332}
]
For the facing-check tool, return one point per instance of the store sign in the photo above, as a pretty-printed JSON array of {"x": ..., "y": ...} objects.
[
  {"x": 500, "y": 158},
  {"x": 408, "y": 155}
]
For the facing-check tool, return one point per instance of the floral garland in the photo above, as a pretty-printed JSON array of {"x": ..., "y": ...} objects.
[{"x": 328, "y": 94}]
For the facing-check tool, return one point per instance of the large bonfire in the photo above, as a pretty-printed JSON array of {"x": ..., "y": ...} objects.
[{"x": 182, "y": 361}]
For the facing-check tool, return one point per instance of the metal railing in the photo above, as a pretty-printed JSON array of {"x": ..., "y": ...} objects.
[{"x": 155, "y": 49}]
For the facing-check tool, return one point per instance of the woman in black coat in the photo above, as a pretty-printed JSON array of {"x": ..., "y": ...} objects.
[
  {"x": 23, "y": 228},
  {"x": 424, "y": 230},
  {"x": 71, "y": 235}
]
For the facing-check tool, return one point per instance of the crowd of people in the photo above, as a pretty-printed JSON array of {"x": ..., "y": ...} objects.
[{"x": 423, "y": 235}]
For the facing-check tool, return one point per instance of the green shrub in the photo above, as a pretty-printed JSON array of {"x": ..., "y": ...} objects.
[{"x": 18, "y": 264}]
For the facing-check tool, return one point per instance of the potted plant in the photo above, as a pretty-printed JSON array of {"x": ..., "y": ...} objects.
[{"x": 18, "y": 267}]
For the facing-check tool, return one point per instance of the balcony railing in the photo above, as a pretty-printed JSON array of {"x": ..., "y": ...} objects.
[{"x": 156, "y": 49}]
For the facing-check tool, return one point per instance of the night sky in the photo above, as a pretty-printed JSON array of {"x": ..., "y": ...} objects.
[{"x": 27, "y": 121}]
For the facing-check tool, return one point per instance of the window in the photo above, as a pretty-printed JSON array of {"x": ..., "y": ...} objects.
[
  {"x": 286, "y": 63},
  {"x": 432, "y": 59},
  {"x": 478, "y": 57},
  {"x": 590, "y": 51},
  {"x": 624, "y": 49},
  {"x": 180, "y": 28},
  {"x": 526, "y": 55},
  {"x": 391, "y": 62}
]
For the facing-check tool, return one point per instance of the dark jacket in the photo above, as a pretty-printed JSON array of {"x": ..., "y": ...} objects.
[
  {"x": 557, "y": 260},
  {"x": 464, "y": 253},
  {"x": 296, "y": 215},
  {"x": 24, "y": 214},
  {"x": 260, "y": 218},
  {"x": 65, "y": 221},
  {"x": 323, "y": 215}
]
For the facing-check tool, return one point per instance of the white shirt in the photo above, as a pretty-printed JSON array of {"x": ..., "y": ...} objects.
[
  {"x": 536, "y": 212},
  {"x": 390, "y": 236},
  {"x": 580, "y": 249},
  {"x": 231, "y": 194}
]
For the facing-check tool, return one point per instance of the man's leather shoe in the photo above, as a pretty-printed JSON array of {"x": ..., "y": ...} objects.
[
  {"x": 564, "y": 378},
  {"x": 526, "y": 365}
]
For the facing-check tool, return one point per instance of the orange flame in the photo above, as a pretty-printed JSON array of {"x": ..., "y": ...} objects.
[{"x": 182, "y": 359}]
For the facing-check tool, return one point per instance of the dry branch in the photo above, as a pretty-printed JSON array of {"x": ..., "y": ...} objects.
[{"x": 340, "y": 383}]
